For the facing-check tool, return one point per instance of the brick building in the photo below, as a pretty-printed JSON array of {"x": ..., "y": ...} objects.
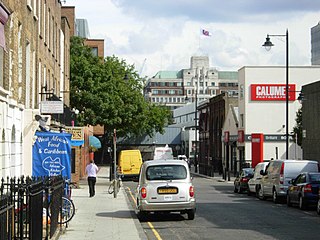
[{"x": 34, "y": 62}]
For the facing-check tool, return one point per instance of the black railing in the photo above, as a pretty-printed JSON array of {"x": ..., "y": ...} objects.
[{"x": 22, "y": 204}]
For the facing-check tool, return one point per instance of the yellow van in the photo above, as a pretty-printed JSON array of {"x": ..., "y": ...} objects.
[{"x": 129, "y": 163}]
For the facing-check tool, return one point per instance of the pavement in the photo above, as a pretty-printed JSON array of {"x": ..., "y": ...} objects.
[{"x": 103, "y": 216}]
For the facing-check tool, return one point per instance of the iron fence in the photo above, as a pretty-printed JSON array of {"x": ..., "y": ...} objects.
[{"x": 29, "y": 207}]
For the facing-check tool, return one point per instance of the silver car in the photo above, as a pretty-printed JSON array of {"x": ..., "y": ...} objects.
[{"x": 165, "y": 186}]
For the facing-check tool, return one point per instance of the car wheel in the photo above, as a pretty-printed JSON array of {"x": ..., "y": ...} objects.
[
  {"x": 275, "y": 196},
  {"x": 191, "y": 214},
  {"x": 318, "y": 207},
  {"x": 289, "y": 204},
  {"x": 257, "y": 191},
  {"x": 302, "y": 203},
  {"x": 260, "y": 194}
]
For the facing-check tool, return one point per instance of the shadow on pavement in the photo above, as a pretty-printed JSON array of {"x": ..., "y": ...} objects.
[{"x": 117, "y": 214}]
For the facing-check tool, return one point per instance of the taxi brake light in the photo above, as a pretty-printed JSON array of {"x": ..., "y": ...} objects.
[
  {"x": 143, "y": 192},
  {"x": 191, "y": 191}
]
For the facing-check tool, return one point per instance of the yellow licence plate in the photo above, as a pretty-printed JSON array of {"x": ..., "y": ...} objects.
[{"x": 167, "y": 190}]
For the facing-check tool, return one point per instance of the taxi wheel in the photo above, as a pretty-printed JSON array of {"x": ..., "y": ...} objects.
[{"x": 191, "y": 214}]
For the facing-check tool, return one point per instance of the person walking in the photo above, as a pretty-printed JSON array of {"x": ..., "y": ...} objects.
[{"x": 92, "y": 170}]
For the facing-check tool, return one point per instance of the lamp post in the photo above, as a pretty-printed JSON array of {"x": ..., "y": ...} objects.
[
  {"x": 196, "y": 130},
  {"x": 268, "y": 44}
]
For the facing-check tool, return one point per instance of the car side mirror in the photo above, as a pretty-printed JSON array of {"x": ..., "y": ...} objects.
[{"x": 262, "y": 172}]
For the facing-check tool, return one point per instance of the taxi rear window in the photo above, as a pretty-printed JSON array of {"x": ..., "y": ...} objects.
[{"x": 166, "y": 172}]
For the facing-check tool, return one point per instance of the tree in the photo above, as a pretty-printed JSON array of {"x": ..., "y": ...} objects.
[
  {"x": 297, "y": 129},
  {"x": 109, "y": 92}
]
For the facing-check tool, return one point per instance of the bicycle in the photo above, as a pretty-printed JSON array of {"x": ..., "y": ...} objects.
[
  {"x": 67, "y": 208},
  {"x": 115, "y": 186}
]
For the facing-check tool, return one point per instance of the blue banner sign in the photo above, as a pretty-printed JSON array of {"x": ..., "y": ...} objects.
[{"x": 52, "y": 154}]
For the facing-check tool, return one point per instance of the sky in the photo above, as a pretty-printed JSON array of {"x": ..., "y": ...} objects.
[{"x": 162, "y": 35}]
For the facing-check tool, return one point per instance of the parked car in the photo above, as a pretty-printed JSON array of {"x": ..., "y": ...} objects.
[
  {"x": 241, "y": 181},
  {"x": 254, "y": 182},
  {"x": 304, "y": 190},
  {"x": 276, "y": 177},
  {"x": 165, "y": 186}
]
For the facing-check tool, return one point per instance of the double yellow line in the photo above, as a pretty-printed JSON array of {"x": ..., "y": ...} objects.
[{"x": 156, "y": 234}]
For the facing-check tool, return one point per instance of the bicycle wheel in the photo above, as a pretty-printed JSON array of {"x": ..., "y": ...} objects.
[
  {"x": 111, "y": 188},
  {"x": 68, "y": 211}
]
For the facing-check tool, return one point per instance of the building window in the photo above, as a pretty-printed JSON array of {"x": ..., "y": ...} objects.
[
  {"x": 213, "y": 92},
  {"x": 188, "y": 83},
  {"x": 241, "y": 91},
  {"x": 172, "y": 92},
  {"x": 213, "y": 84},
  {"x": 94, "y": 51},
  {"x": 179, "y": 84},
  {"x": 242, "y": 120}
]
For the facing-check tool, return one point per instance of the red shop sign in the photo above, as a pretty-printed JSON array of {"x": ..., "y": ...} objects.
[{"x": 272, "y": 92}]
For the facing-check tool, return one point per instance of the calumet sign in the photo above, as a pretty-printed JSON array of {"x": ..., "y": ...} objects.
[{"x": 272, "y": 92}]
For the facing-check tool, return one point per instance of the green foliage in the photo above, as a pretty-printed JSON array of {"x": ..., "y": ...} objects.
[
  {"x": 297, "y": 129},
  {"x": 109, "y": 92}
]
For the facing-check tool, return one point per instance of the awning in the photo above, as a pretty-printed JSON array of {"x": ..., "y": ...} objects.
[
  {"x": 4, "y": 15},
  {"x": 94, "y": 142}
]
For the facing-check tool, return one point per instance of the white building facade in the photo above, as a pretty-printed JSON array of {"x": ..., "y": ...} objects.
[{"x": 262, "y": 110}]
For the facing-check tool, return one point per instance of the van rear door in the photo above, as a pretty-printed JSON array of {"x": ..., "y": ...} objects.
[{"x": 293, "y": 169}]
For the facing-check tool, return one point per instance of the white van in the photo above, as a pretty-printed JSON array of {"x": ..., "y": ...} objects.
[
  {"x": 163, "y": 153},
  {"x": 277, "y": 175}
]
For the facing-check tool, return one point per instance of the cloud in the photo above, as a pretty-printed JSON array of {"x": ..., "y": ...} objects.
[
  {"x": 167, "y": 33},
  {"x": 215, "y": 10}
]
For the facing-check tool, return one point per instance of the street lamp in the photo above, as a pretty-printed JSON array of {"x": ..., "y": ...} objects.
[
  {"x": 268, "y": 44},
  {"x": 196, "y": 129}
]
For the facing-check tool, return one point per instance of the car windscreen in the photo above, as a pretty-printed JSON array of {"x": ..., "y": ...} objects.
[{"x": 166, "y": 172}]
